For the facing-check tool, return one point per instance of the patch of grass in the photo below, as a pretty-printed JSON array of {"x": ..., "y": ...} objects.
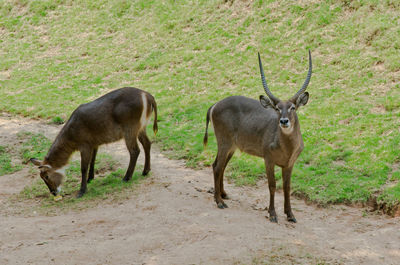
[
  {"x": 191, "y": 54},
  {"x": 107, "y": 185},
  {"x": 57, "y": 120},
  {"x": 34, "y": 145},
  {"x": 389, "y": 198},
  {"x": 6, "y": 165}
]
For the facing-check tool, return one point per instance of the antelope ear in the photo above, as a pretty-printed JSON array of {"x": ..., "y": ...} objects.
[
  {"x": 302, "y": 99},
  {"x": 36, "y": 162},
  {"x": 266, "y": 102}
]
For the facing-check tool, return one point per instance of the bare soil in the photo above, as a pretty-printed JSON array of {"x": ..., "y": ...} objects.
[{"x": 171, "y": 218}]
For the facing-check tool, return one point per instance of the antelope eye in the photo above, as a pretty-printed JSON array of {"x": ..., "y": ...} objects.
[{"x": 292, "y": 108}]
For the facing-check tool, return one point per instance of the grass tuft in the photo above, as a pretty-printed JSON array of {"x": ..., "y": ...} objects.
[
  {"x": 33, "y": 146},
  {"x": 6, "y": 164}
]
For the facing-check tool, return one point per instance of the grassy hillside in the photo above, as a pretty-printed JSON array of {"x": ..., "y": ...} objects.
[{"x": 56, "y": 55}]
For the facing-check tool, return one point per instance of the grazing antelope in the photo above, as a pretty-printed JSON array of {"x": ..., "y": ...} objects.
[
  {"x": 269, "y": 129},
  {"x": 122, "y": 113}
]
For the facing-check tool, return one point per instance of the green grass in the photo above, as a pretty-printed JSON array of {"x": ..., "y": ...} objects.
[
  {"x": 33, "y": 145},
  {"x": 57, "y": 120},
  {"x": 107, "y": 185},
  {"x": 190, "y": 54},
  {"x": 6, "y": 164}
]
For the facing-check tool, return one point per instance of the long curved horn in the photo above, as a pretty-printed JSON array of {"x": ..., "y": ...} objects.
[
  {"x": 270, "y": 95},
  {"x": 303, "y": 88}
]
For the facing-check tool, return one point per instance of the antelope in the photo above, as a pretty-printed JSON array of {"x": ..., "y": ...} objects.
[
  {"x": 122, "y": 113},
  {"x": 269, "y": 129}
]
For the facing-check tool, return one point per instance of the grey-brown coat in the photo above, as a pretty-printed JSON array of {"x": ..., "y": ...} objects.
[
  {"x": 268, "y": 128},
  {"x": 122, "y": 113}
]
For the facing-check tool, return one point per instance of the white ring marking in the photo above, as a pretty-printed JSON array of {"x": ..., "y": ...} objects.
[{"x": 143, "y": 117}]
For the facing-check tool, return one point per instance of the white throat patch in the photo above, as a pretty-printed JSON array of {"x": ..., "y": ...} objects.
[
  {"x": 61, "y": 170},
  {"x": 288, "y": 130}
]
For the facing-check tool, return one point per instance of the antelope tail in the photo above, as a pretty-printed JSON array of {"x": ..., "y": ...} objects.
[
  {"x": 205, "y": 139},
  {"x": 154, "y": 106}
]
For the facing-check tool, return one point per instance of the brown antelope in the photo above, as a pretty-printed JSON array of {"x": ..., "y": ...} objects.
[
  {"x": 123, "y": 113},
  {"x": 269, "y": 129}
]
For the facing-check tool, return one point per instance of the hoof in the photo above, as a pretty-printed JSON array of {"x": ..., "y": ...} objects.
[
  {"x": 145, "y": 172},
  {"x": 125, "y": 179},
  {"x": 273, "y": 219},
  {"x": 292, "y": 219},
  {"x": 222, "y": 205},
  {"x": 90, "y": 180}
]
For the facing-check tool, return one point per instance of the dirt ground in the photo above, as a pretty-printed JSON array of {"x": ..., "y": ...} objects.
[{"x": 172, "y": 219}]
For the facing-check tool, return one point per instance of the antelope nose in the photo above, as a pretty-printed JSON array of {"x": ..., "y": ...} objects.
[{"x": 284, "y": 121}]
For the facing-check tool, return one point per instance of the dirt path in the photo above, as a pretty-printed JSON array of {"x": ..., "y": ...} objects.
[{"x": 172, "y": 219}]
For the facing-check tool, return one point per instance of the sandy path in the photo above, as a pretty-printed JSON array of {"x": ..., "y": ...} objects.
[{"x": 171, "y": 219}]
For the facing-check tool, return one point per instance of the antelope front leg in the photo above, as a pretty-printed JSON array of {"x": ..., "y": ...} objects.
[
  {"x": 91, "y": 168},
  {"x": 286, "y": 175},
  {"x": 272, "y": 187}
]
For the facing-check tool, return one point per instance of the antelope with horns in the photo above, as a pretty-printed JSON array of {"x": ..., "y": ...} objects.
[
  {"x": 269, "y": 129},
  {"x": 122, "y": 113}
]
